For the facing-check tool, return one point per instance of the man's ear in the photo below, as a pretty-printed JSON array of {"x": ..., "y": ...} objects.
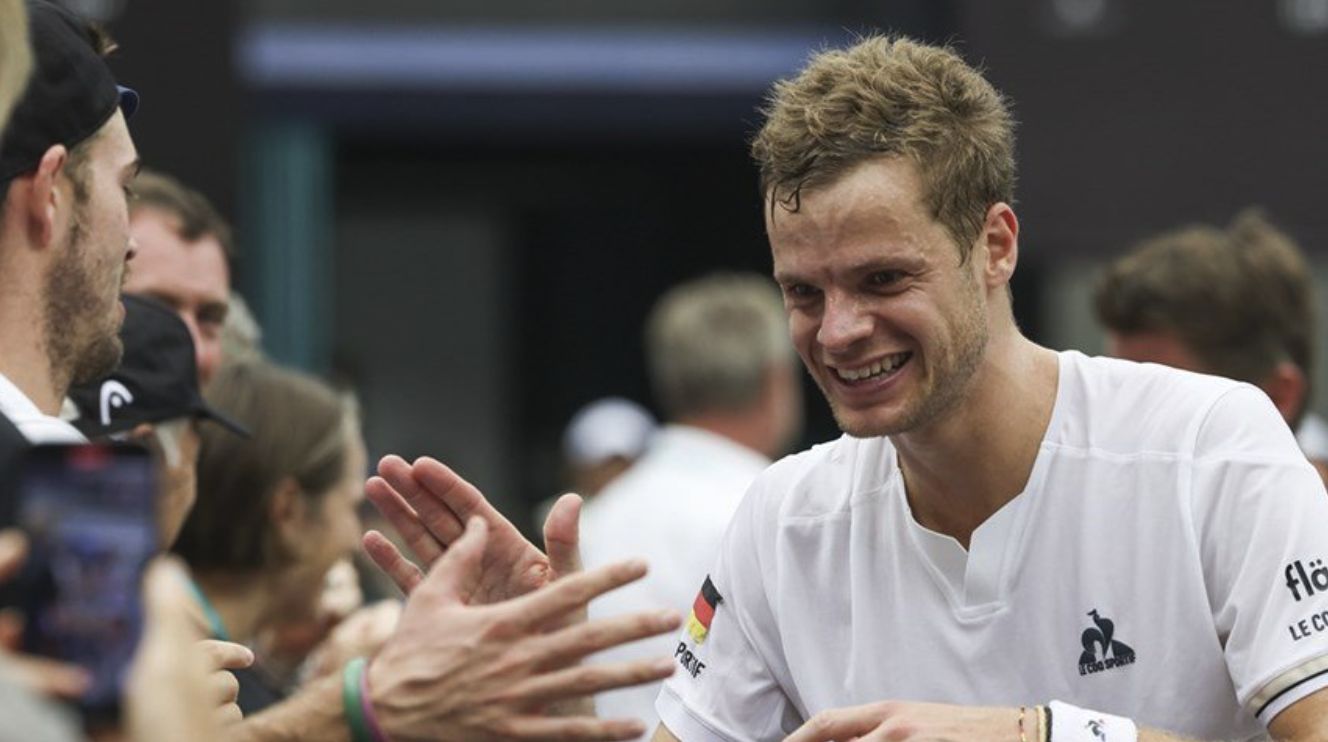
[
  {"x": 998, "y": 246},
  {"x": 1287, "y": 386},
  {"x": 42, "y": 198}
]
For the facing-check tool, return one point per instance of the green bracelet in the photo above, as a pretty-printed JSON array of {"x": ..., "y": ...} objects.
[{"x": 351, "y": 701}]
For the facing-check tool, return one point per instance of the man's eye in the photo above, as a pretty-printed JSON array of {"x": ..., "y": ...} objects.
[
  {"x": 131, "y": 195},
  {"x": 800, "y": 290},
  {"x": 885, "y": 279}
]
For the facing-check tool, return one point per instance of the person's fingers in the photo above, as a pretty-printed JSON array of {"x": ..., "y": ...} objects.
[
  {"x": 389, "y": 559},
  {"x": 13, "y": 548},
  {"x": 226, "y": 655},
  {"x": 223, "y": 688},
  {"x": 570, "y": 729},
  {"x": 573, "y": 593},
  {"x": 390, "y": 503},
  {"x": 575, "y": 642},
  {"x": 454, "y": 578},
  {"x": 562, "y": 535},
  {"x": 430, "y": 504},
  {"x": 451, "y": 495},
  {"x": 586, "y": 680}
]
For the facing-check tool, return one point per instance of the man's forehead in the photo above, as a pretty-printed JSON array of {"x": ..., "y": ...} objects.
[
  {"x": 165, "y": 263},
  {"x": 165, "y": 231},
  {"x": 114, "y": 142}
]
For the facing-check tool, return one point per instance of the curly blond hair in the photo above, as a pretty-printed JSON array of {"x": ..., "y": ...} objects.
[{"x": 892, "y": 97}]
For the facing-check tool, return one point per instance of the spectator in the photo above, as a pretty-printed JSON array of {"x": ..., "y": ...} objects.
[
  {"x": 154, "y": 397},
  {"x": 67, "y": 145},
  {"x": 183, "y": 248},
  {"x": 725, "y": 373},
  {"x": 1236, "y": 302},
  {"x": 601, "y": 442},
  {"x": 275, "y": 511}
]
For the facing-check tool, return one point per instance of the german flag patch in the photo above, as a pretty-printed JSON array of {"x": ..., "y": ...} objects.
[{"x": 703, "y": 611}]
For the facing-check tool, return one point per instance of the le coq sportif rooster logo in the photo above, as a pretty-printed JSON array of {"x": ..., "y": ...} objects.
[{"x": 1102, "y": 651}]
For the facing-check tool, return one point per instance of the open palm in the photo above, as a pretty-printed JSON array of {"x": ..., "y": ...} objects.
[{"x": 428, "y": 503}]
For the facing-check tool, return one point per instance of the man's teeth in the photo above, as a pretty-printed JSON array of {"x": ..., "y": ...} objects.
[{"x": 883, "y": 366}]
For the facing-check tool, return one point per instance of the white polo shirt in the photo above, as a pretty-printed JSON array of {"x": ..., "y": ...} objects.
[
  {"x": 1166, "y": 562},
  {"x": 35, "y": 425}
]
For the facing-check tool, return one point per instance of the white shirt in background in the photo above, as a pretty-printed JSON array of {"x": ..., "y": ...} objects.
[
  {"x": 670, "y": 508},
  {"x": 1167, "y": 561}
]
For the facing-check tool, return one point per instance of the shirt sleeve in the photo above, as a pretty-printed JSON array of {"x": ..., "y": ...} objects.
[
  {"x": 1261, "y": 515},
  {"x": 724, "y": 689}
]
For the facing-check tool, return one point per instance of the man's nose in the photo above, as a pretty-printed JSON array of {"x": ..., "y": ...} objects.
[{"x": 844, "y": 322}]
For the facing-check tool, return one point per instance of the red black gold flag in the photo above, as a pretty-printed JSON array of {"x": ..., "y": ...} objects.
[{"x": 703, "y": 611}]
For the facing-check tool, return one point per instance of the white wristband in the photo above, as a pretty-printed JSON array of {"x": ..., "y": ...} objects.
[{"x": 1073, "y": 724}]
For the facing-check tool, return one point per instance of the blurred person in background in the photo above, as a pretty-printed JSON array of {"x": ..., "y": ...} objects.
[
  {"x": 241, "y": 335},
  {"x": 724, "y": 371},
  {"x": 153, "y": 398},
  {"x": 66, "y": 165},
  {"x": 274, "y": 512},
  {"x": 1236, "y": 302},
  {"x": 183, "y": 248},
  {"x": 602, "y": 440}
]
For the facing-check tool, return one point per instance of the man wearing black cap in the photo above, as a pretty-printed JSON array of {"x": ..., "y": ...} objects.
[
  {"x": 153, "y": 397},
  {"x": 66, "y": 164}
]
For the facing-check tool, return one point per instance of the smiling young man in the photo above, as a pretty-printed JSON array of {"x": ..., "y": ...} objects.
[{"x": 1002, "y": 525}]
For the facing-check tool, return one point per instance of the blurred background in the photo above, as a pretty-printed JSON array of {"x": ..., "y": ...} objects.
[{"x": 465, "y": 209}]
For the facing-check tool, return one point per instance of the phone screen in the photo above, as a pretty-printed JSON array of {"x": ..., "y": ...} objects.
[{"x": 89, "y": 514}]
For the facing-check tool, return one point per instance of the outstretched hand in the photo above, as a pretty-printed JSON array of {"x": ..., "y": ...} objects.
[
  {"x": 459, "y": 669},
  {"x": 427, "y": 503}
]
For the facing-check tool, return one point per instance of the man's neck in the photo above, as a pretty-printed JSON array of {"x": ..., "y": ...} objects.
[
  {"x": 967, "y": 465},
  {"x": 24, "y": 360}
]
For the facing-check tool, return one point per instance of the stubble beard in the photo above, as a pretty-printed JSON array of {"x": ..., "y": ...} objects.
[{"x": 82, "y": 340}]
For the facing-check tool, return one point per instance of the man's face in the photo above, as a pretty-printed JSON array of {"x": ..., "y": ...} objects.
[
  {"x": 1153, "y": 346},
  {"x": 190, "y": 277},
  {"x": 82, "y": 287},
  {"x": 888, "y": 322}
]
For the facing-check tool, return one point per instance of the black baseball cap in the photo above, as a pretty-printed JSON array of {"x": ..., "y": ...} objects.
[
  {"x": 157, "y": 379},
  {"x": 70, "y": 95}
]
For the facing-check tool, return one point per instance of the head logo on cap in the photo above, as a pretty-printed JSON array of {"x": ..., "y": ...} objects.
[{"x": 114, "y": 395}]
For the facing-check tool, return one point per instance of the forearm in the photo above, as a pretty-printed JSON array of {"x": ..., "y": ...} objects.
[{"x": 313, "y": 713}]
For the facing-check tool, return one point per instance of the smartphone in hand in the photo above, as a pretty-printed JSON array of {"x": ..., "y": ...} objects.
[{"x": 89, "y": 513}]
